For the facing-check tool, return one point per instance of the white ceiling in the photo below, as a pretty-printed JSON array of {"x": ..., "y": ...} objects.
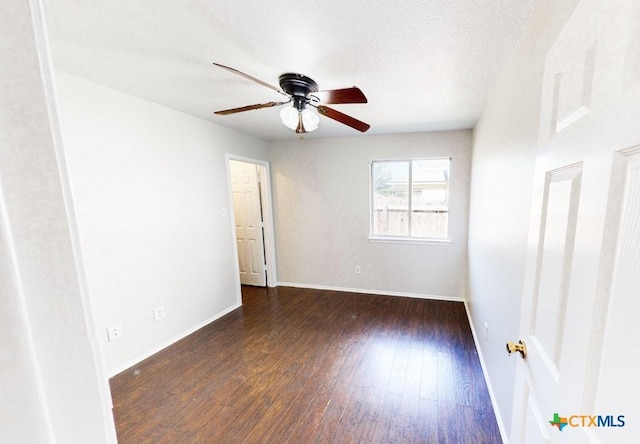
[{"x": 424, "y": 65}]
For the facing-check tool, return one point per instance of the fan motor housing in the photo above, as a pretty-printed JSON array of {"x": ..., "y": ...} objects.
[{"x": 297, "y": 85}]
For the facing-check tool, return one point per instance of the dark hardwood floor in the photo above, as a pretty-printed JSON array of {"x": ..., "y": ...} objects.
[{"x": 299, "y": 366}]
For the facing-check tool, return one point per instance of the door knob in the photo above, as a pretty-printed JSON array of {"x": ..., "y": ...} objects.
[{"x": 520, "y": 347}]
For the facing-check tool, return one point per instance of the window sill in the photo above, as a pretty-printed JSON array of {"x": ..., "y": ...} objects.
[{"x": 410, "y": 240}]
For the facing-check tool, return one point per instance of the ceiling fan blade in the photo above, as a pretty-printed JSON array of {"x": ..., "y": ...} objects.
[
  {"x": 247, "y": 76},
  {"x": 344, "y": 95},
  {"x": 343, "y": 118},
  {"x": 249, "y": 108}
]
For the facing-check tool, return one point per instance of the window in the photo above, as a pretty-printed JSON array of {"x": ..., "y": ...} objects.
[{"x": 410, "y": 199}]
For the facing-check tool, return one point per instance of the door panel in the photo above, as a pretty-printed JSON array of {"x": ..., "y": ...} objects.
[
  {"x": 557, "y": 237},
  {"x": 535, "y": 428},
  {"x": 580, "y": 308},
  {"x": 248, "y": 223},
  {"x": 611, "y": 382}
]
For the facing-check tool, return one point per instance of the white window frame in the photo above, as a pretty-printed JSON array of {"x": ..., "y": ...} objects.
[{"x": 408, "y": 239}]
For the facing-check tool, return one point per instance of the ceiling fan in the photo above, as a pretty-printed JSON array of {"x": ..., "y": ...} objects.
[{"x": 302, "y": 92}]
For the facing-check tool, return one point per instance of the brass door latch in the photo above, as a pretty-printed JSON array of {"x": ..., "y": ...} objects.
[{"x": 520, "y": 347}]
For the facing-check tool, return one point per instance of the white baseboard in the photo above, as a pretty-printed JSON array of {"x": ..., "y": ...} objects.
[
  {"x": 127, "y": 365},
  {"x": 377, "y": 292},
  {"x": 496, "y": 410}
]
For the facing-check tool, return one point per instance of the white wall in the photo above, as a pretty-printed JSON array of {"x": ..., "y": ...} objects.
[
  {"x": 321, "y": 200},
  {"x": 504, "y": 145},
  {"x": 148, "y": 186},
  {"x": 50, "y": 384}
]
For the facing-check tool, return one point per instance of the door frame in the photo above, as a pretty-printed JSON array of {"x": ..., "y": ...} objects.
[{"x": 267, "y": 218}]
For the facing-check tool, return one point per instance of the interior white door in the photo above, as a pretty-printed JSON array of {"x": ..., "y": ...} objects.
[
  {"x": 581, "y": 306},
  {"x": 245, "y": 188}
]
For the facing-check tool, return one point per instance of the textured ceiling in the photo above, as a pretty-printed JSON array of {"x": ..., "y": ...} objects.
[{"x": 424, "y": 65}]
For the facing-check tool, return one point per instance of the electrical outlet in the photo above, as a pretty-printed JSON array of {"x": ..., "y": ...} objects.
[
  {"x": 486, "y": 331},
  {"x": 158, "y": 314},
  {"x": 115, "y": 332},
  {"x": 357, "y": 269}
]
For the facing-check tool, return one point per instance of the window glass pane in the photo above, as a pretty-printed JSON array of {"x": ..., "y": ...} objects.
[
  {"x": 390, "y": 183},
  {"x": 430, "y": 198}
]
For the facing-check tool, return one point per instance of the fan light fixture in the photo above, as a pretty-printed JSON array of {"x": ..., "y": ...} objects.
[{"x": 300, "y": 121}]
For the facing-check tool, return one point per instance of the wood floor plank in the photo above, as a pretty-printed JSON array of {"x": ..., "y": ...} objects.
[
  {"x": 413, "y": 381},
  {"x": 429, "y": 375},
  {"x": 298, "y": 365}
]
